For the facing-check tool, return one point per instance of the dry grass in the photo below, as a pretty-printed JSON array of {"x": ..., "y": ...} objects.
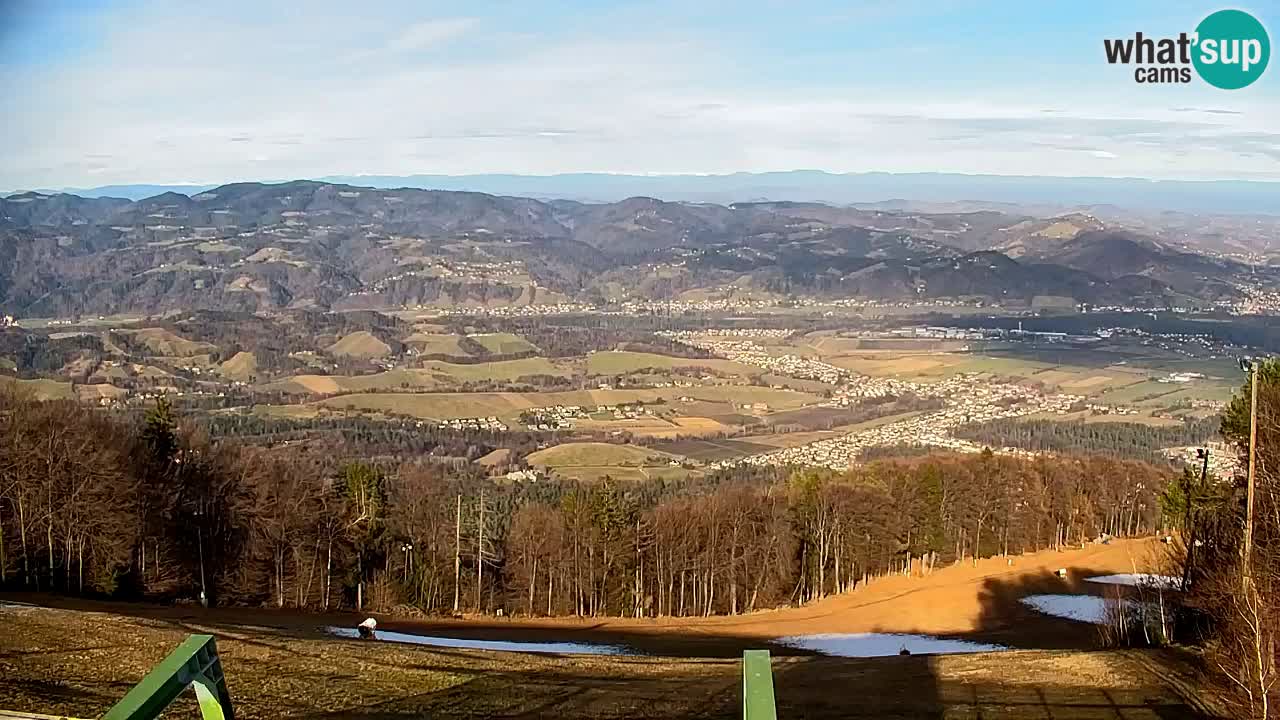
[
  {"x": 437, "y": 344},
  {"x": 242, "y": 366},
  {"x": 505, "y": 370},
  {"x": 620, "y": 363},
  {"x": 362, "y": 344},
  {"x": 59, "y": 661},
  {"x": 596, "y": 454},
  {"x": 503, "y": 343},
  {"x": 163, "y": 343},
  {"x": 281, "y": 666},
  {"x": 41, "y": 389},
  {"x": 93, "y": 393}
]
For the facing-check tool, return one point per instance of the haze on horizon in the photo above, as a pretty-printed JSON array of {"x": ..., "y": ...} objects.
[{"x": 137, "y": 91}]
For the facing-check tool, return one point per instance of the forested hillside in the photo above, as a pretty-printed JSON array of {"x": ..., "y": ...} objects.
[{"x": 153, "y": 508}]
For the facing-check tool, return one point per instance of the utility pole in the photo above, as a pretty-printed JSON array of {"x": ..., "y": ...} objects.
[
  {"x": 480, "y": 555},
  {"x": 1246, "y": 575},
  {"x": 457, "y": 557}
]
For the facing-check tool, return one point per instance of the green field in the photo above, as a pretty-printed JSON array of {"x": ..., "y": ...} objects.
[
  {"x": 503, "y": 343},
  {"x": 501, "y": 370},
  {"x": 441, "y": 406},
  {"x": 433, "y": 375},
  {"x": 41, "y": 389},
  {"x": 616, "y": 362},
  {"x": 436, "y": 344},
  {"x": 597, "y": 454}
]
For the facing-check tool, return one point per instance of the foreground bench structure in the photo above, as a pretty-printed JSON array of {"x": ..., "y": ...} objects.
[
  {"x": 192, "y": 664},
  {"x": 757, "y": 686}
]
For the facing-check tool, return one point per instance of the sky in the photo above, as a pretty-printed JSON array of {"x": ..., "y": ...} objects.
[{"x": 140, "y": 91}]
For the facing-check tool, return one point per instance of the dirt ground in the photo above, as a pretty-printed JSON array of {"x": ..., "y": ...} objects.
[
  {"x": 79, "y": 663},
  {"x": 978, "y": 602},
  {"x": 81, "y": 657}
]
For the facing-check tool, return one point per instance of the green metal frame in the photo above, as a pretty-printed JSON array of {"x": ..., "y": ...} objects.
[
  {"x": 194, "y": 663},
  {"x": 757, "y": 686}
]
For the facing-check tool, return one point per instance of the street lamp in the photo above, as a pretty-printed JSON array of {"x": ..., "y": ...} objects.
[
  {"x": 204, "y": 597},
  {"x": 407, "y": 549}
]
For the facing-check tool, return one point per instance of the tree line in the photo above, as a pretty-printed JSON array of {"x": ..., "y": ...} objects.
[
  {"x": 1122, "y": 439},
  {"x": 96, "y": 504}
]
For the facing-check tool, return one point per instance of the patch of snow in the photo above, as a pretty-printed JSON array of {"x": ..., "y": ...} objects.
[
  {"x": 566, "y": 648},
  {"x": 1084, "y": 608},
  {"x": 1165, "y": 582},
  {"x": 883, "y": 644}
]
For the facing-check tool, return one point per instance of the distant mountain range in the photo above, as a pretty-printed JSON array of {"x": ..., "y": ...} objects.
[
  {"x": 899, "y": 190},
  {"x": 322, "y": 245}
]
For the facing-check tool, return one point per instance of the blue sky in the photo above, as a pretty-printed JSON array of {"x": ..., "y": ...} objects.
[{"x": 105, "y": 92}]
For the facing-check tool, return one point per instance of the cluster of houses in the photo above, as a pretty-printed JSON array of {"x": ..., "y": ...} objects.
[
  {"x": 1217, "y": 406},
  {"x": 1224, "y": 462},
  {"x": 521, "y": 310},
  {"x": 475, "y": 423},
  {"x": 863, "y": 303},
  {"x": 1097, "y": 409},
  {"x": 749, "y": 353},
  {"x": 555, "y": 417},
  {"x": 633, "y": 411},
  {"x": 1181, "y": 377},
  {"x": 776, "y": 333},
  {"x": 968, "y": 401},
  {"x": 677, "y": 307},
  {"x": 968, "y": 398},
  {"x": 8, "y": 321},
  {"x": 564, "y": 417},
  {"x": 863, "y": 387},
  {"x": 1256, "y": 301}
]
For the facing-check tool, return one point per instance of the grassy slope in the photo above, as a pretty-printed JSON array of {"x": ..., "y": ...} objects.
[
  {"x": 281, "y": 665},
  {"x": 595, "y": 454},
  {"x": 42, "y": 389},
  {"x": 504, "y": 343},
  {"x": 437, "y": 344},
  {"x": 362, "y": 344},
  {"x": 163, "y": 343}
]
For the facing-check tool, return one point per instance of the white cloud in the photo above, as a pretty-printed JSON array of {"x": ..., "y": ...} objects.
[
  {"x": 171, "y": 97},
  {"x": 428, "y": 34}
]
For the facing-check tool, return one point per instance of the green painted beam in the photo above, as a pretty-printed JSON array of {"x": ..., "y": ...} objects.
[
  {"x": 757, "y": 686},
  {"x": 17, "y": 715},
  {"x": 194, "y": 663}
]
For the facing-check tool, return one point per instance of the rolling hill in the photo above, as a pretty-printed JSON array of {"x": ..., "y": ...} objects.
[{"x": 252, "y": 247}]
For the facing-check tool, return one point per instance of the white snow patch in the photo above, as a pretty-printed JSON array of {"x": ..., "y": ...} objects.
[
  {"x": 1164, "y": 582},
  {"x": 883, "y": 644},
  {"x": 1085, "y": 608},
  {"x": 567, "y": 648}
]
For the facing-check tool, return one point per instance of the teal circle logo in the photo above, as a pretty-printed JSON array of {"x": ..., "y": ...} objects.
[{"x": 1232, "y": 49}]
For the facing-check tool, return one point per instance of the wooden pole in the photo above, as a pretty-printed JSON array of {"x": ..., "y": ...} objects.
[
  {"x": 457, "y": 558},
  {"x": 1253, "y": 462}
]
